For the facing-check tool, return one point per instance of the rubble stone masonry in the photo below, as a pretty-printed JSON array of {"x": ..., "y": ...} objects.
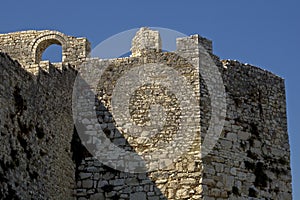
[{"x": 42, "y": 156}]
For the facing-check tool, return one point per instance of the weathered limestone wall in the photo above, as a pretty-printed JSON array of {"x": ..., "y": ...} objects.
[
  {"x": 36, "y": 131},
  {"x": 145, "y": 40},
  {"x": 252, "y": 157},
  {"x": 38, "y": 142},
  {"x": 27, "y": 46},
  {"x": 180, "y": 179}
]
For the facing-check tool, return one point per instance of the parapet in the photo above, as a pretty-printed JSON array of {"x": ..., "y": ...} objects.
[
  {"x": 150, "y": 40},
  {"x": 27, "y": 47}
]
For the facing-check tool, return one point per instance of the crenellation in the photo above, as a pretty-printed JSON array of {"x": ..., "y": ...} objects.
[
  {"x": 145, "y": 40},
  {"x": 44, "y": 157},
  {"x": 193, "y": 42}
]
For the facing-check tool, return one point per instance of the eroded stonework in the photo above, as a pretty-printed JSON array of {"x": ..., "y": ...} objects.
[{"x": 43, "y": 157}]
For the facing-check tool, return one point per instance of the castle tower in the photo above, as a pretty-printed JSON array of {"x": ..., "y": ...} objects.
[{"x": 184, "y": 124}]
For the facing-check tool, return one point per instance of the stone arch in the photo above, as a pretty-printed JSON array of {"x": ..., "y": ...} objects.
[{"x": 44, "y": 41}]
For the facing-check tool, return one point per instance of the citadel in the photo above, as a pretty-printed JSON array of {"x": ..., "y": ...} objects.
[{"x": 44, "y": 155}]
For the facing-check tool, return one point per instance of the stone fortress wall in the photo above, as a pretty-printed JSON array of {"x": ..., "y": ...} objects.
[
  {"x": 27, "y": 47},
  {"x": 42, "y": 156}
]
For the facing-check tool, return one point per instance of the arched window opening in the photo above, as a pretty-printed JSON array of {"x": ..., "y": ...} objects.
[
  {"x": 49, "y": 49},
  {"x": 53, "y": 53}
]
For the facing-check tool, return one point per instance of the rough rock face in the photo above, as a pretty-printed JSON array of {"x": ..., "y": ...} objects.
[
  {"x": 36, "y": 133},
  {"x": 252, "y": 157},
  {"x": 42, "y": 156}
]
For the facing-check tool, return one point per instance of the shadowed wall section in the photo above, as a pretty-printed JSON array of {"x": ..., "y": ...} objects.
[{"x": 42, "y": 155}]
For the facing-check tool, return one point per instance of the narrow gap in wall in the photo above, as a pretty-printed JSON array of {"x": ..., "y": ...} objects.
[{"x": 128, "y": 54}]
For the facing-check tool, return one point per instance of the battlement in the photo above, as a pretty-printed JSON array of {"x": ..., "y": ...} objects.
[
  {"x": 43, "y": 157},
  {"x": 27, "y": 47}
]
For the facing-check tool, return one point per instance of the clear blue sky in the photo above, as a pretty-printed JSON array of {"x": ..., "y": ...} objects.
[{"x": 263, "y": 33}]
